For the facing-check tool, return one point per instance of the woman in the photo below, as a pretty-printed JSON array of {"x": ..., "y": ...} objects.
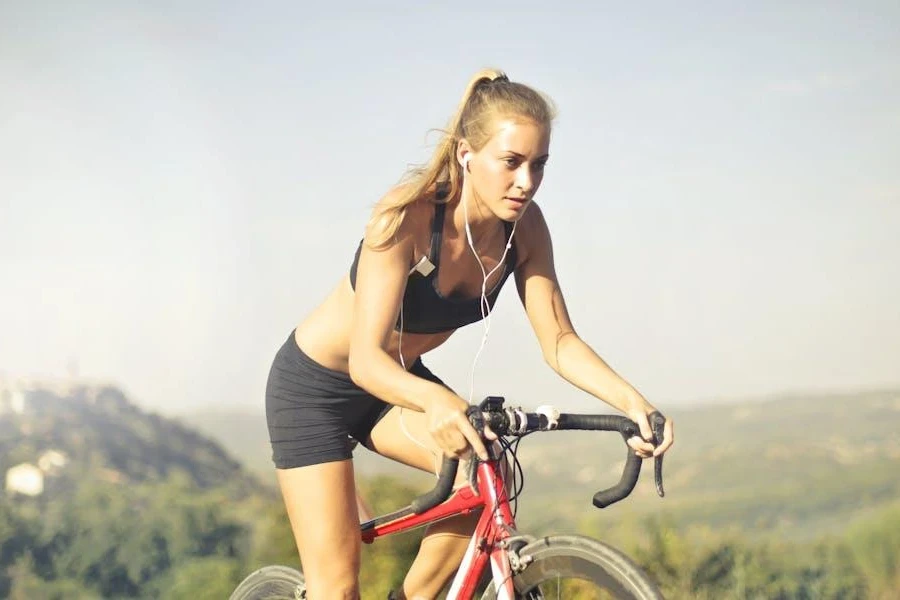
[{"x": 436, "y": 252}]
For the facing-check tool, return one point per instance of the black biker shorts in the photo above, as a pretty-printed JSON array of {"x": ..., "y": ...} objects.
[{"x": 313, "y": 411}]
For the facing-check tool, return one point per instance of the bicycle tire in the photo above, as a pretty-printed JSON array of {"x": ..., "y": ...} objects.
[
  {"x": 274, "y": 582},
  {"x": 583, "y": 558}
]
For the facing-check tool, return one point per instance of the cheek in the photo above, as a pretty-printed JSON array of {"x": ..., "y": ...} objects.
[{"x": 495, "y": 178}]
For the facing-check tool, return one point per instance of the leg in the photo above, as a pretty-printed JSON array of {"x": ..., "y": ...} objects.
[
  {"x": 445, "y": 542},
  {"x": 321, "y": 505},
  {"x": 311, "y": 452}
]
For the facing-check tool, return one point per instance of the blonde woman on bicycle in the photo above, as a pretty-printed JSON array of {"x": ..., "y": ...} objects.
[{"x": 436, "y": 252}]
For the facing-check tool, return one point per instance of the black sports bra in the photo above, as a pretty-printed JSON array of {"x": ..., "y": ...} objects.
[{"x": 425, "y": 310}]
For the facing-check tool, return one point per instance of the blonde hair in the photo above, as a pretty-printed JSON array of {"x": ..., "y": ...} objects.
[{"x": 489, "y": 95}]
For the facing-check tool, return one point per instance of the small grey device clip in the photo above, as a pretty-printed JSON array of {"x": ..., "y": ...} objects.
[{"x": 424, "y": 267}]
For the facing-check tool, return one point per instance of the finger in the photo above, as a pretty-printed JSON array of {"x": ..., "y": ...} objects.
[
  {"x": 668, "y": 438},
  {"x": 452, "y": 443},
  {"x": 489, "y": 433},
  {"x": 460, "y": 445},
  {"x": 459, "y": 450},
  {"x": 644, "y": 426},
  {"x": 472, "y": 436},
  {"x": 446, "y": 446},
  {"x": 640, "y": 445}
]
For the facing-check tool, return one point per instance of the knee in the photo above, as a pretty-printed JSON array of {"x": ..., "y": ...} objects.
[
  {"x": 331, "y": 567},
  {"x": 330, "y": 584},
  {"x": 453, "y": 531}
]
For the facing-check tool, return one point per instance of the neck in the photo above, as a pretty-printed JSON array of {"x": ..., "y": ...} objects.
[{"x": 482, "y": 222}]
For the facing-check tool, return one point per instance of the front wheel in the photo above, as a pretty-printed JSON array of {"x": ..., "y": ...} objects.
[
  {"x": 569, "y": 566},
  {"x": 271, "y": 583}
]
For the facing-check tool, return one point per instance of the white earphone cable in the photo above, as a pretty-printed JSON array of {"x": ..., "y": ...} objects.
[
  {"x": 485, "y": 316},
  {"x": 485, "y": 305}
]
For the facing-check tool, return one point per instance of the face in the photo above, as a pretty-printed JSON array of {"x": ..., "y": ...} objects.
[{"x": 507, "y": 172}]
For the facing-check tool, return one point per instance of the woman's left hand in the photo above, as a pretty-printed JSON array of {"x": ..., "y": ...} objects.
[{"x": 639, "y": 413}]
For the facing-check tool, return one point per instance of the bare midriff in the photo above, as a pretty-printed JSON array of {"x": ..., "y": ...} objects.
[{"x": 325, "y": 334}]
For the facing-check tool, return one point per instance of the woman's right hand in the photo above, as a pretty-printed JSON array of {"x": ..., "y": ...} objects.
[{"x": 450, "y": 427}]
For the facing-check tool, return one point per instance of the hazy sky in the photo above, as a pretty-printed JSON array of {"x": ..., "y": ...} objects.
[{"x": 181, "y": 183}]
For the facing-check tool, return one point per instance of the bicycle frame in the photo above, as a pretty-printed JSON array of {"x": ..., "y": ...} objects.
[{"x": 487, "y": 544}]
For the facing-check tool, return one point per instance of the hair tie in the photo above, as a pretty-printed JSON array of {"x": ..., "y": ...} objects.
[{"x": 486, "y": 82}]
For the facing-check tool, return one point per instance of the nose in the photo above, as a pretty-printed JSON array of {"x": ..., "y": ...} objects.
[{"x": 524, "y": 179}]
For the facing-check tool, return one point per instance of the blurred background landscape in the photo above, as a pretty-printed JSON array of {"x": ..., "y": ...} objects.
[
  {"x": 788, "y": 497},
  {"x": 181, "y": 183}
]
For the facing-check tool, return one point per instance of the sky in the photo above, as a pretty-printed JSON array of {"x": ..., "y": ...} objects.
[{"x": 181, "y": 183}]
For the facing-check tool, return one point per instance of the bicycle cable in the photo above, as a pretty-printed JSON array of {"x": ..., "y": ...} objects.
[{"x": 510, "y": 454}]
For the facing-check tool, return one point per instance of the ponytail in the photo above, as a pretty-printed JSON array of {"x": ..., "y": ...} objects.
[{"x": 488, "y": 93}]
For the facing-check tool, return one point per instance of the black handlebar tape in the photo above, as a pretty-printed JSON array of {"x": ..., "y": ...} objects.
[
  {"x": 628, "y": 429},
  {"x": 449, "y": 467},
  {"x": 441, "y": 491},
  {"x": 624, "y": 425},
  {"x": 658, "y": 425},
  {"x": 604, "y": 498}
]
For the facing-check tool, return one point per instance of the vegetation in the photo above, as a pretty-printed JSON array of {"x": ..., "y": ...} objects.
[{"x": 148, "y": 508}]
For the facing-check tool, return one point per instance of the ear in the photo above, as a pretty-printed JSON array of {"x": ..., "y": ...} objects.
[{"x": 463, "y": 153}]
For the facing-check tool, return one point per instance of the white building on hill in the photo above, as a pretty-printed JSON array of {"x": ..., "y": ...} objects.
[
  {"x": 52, "y": 462},
  {"x": 29, "y": 480},
  {"x": 12, "y": 400},
  {"x": 26, "y": 479}
]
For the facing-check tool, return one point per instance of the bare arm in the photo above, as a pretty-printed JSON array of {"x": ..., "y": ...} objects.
[
  {"x": 562, "y": 348},
  {"x": 381, "y": 277},
  {"x": 380, "y": 283}
]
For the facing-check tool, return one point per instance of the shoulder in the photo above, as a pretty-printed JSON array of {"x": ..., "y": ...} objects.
[
  {"x": 532, "y": 233},
  {"x": 397, "y": 217},
  {"x": 533, "y": 220}
]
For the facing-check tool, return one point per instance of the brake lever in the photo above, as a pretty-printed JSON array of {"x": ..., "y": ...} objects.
[
  {"x": 476, "y": 418},
  {"x": 657, "y": 425},
  {"x": 472, "y": 473}
]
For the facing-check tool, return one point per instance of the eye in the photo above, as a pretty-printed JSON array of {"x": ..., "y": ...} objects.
[{"x": 511, "y": 162}]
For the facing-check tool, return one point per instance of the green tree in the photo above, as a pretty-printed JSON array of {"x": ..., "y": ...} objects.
[
  {"x": 120, "y": 539},
  {"x": 875, "y": 543},
  {"x": 26, "y": 585},
  {"x": 209, "y": 578},
  {"x": 386, "y": 561},
  {"x": 17, "y": 537}
]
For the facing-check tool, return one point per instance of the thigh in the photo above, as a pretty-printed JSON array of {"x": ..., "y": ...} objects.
[
  {"x": 321, "y": 504},
  {"x": 402, "y": 435}
]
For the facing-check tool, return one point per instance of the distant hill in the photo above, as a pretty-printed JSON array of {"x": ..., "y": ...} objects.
[
  {"x": 797, "y": 464},
  {"x": 98, "y": 431},
  {"x": 102, "y": 499}
]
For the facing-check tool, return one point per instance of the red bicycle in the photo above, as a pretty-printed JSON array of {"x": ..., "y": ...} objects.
[{"x": 521, "y": 566}]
